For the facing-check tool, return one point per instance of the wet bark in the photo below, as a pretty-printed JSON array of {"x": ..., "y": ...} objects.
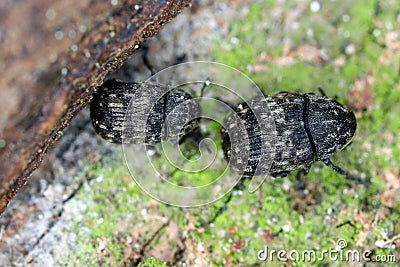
[{"x": 52, "y": 56}]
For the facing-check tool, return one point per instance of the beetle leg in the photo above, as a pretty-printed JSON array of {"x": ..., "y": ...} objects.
[
  {"x": 300, "y": 174},
  {"x": 280, "y": 174},
  {"x": 343, "y": 172},
  {"x": 239, "y": 186},
  {"x": 196, "y": 135},
  {"x": 146, "y": 60},
  {"x": 322, "y": 92},
  {"x": 307, "y": 167}
]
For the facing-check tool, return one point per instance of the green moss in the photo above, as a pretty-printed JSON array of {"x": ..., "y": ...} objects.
[
  {"x": 311, "y": 212},
  {"x": 330, "y": 213},
  {"x": 151, "y": 262},
  {"x": 108, "y": 199}
]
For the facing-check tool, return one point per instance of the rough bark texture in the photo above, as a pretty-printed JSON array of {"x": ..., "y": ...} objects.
[{"x": 52, "y": 56}]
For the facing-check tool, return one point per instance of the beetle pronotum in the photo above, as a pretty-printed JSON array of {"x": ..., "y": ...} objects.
[{"x": 307, "y": 128}]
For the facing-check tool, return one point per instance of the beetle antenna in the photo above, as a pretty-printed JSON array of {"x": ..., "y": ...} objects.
[
  {"x": 322, "y": 92},
  {"x": 343, "y": 172},
  {"x": 206, "y": 83}
]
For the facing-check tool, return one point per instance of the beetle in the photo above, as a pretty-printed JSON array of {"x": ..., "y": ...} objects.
[
  {"x": 110, "y": 106},
  {"x": 308, "y": 128}
]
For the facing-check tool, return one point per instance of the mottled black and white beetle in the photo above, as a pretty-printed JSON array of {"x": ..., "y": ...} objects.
[
  {"x": 110, "y": 106},
  {"x": 307, "y": 128}
]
